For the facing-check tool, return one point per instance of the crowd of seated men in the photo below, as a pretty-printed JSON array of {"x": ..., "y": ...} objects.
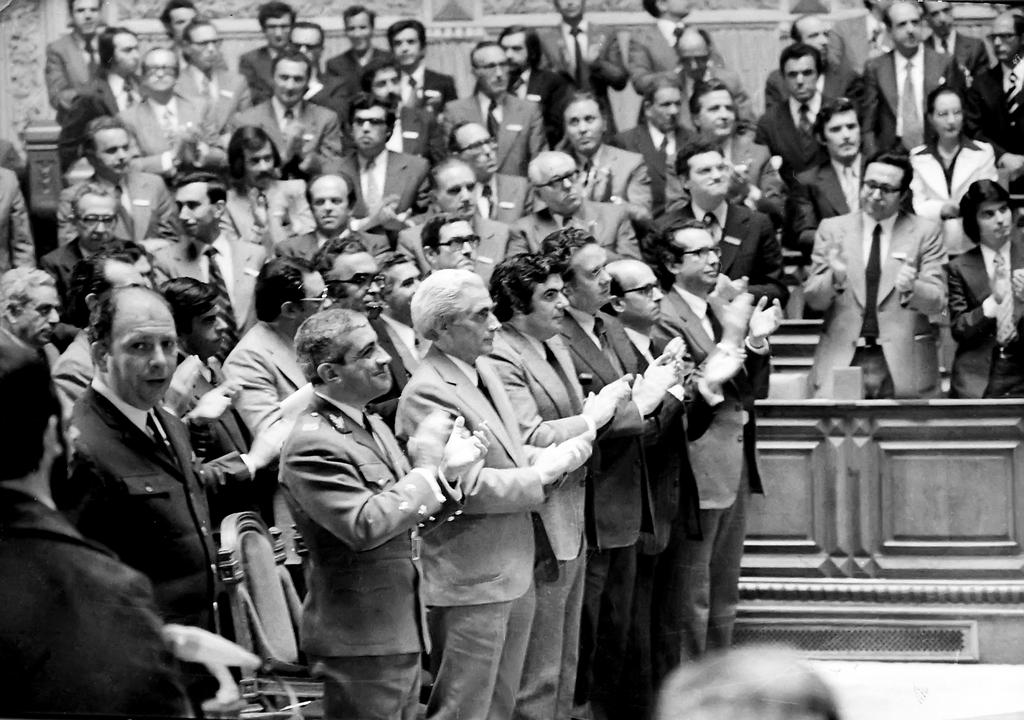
[{"x": 494, "y": 357}]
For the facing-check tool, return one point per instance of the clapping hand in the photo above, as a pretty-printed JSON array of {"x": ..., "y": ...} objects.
[
  {"x": 601, "y": 407},
  {"x": 906, "y": 276},
  {"x": 427, "y": 445},
  {"x": 463, "y": 450},
  {"x": 555, "y": 461},
  {"x": 764, "y": 320},
  {"x": 735, "y": 318},
  {"x": 649, "y": 389},
  {"x": 213, "y": 403},
  {"x": 183, "y": 383},
  {"x": 727, "y": 289},
  {"x": 837, "y": 261}
]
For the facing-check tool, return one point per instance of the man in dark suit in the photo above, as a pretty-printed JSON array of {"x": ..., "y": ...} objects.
[
  {"x": 71, "y": 60},
  {"x": 357, "y": 499},
  {"x": 968, "y": 52},
  {"x": 324, "y": 90},
  {"x": 388, "y": 184},
  {"x": 588, "y": 58},
  {"x": 515, "y": 124},
  {"x": 504, "y": 198},
  {"x": 995, "y": 106},
  {"x": 307, "y": 136},
  {"x": 894, "y": 109},
  {"x": 358, "y": 22},
  {"x": 331, "y": 198},
  {"x": 986, "y": 296},
  {"x": 751, "y": 257},
  {"x": 478, "y": 569},
  {"x": 133, "y": 483},
  {"x": 837, "y": 78},
  {"x": 421, "y": 87},
  {"x": 537, "y": 371},
  {"x": 619, "y": 494},
  {"x": 93, "y": 214},
  {"x": 528, "y": 81},
  {"x": 786, "y": 129},
  {"x": 705, "y": 571},
  {"x": 417, "y": 130},
  {"x": 657, "y": 138},
  {"x": 833, "y": 187},
  {"x": 80, "y": 633},
  {"x": 276, "y": 20}
]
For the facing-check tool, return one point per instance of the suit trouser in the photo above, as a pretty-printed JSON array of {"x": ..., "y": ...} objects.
[
  {"x": 704, "y": 576},
  {"x": 477, "y": 658},
  {"x": 549, "y": 675},
  {"x": 604, "y": 631},
  {"x": 382, "y": 687}
]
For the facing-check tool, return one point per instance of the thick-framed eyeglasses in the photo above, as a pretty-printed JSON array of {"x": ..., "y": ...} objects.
[
  {"x": 359, "y": 280},
  {"x": 369, "y": 120},
  {"x": 566, "y": 180},
  {"x": 645, "y": 290},
  {"x": 704, "y": 253},
  {"x": 96, "y": 220},
  {"x": 461, "y": 241},
  {"x": 873, "y": 186},
  {"x": 160, "y": 69},
  {"x": 487, "y": 143}
]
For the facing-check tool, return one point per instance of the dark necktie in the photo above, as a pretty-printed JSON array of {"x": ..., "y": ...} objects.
[
  {"x": 580, "y": 77},
  {"x": 805, "y": 118},
  {"x": 488, "y": 195},
  {"x": 381, "y": 448},
  {"x": 1013, "y": 97},
  {"x": 224, "y": 310},
  {"x": 515, "y": 84},
  {"x": 711, "y": 222},
  {"x": 602, "y": 336},
  {"x": 482, "y": 387},
  {"x": 492, "y": 120},
  {"x": 872, "y": 275},
  {"x": 129, "y": 92},
  {"x": 574, "y": 401},
  {"x": 159, "y": 440},
  {"x": 414, "y": 92}
]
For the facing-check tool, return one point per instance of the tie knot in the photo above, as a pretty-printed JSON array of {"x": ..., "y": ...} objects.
[
  {"x": 575, "y": 30},
  {"x": 485, "y": 190},
  {"x": 998, "y": 260},
  {"x": 599, "y": 327},
  {"x": 877, "y": 232},
  {"x": 210, "y": 251},
  {"x": 710, "y": 219},
  {"x": 804, "y": 108}
]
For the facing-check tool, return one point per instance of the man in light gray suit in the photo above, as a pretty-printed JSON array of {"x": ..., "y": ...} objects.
[
  {"x": 71, "y": 59},
  {"x": 504, "y": 198},
  {"x": 537, "y": 370},
  {"x": 516, "y": 124},
  {"x": 204, "y": 77},
  {"x": 478, "y": 569},
  {"x": 878, "y": 276}
]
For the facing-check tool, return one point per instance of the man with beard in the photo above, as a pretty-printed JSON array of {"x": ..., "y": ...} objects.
[
  {"x": 204, "y": 77},
  {"x": 504, "y": 198},
  {"x": 354, "y": 282},
  {"x": 416, "y": 131},
  {"x": 330, "y": 198},
  {"x": 262, "y": 208},
  {"x": 455, "y": 195},
  {"x": 209, "y": 254},
  {"x": 607, "y": 173},
  {"x": 556, "y": 183},
  {"x": 388, "y": 183},
  {"x": 145, "y": 211},
  {"x": 30, "y": 310},
  {"x": 307, "y": 136},
  {"x": 528, "y": 81},
  {"x": 515, "y": 124}
]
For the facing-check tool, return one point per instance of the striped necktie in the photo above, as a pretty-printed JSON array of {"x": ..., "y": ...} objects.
[{"x": 224, "y": 309}]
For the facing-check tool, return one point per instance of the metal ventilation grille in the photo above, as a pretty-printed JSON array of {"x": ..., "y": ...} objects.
[{"x": 932, "y": 641}]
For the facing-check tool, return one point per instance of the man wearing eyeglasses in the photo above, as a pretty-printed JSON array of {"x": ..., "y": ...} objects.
[
  {"x": 173, "y": 132},
  {"x": 388, "y": 183},
  {"x": 417, "y": 131},
  {"x": 263, "y": 363},
  {"x": 504, "y": 198},
  {"x": 702, "y": 571},
  {"x": 206, "y": 252},
  {"x": 456, "y": 193},
  {"x": 204, "y": 78},
  {"x": 556, "y": 187},
  {"x": 878, "y": 276},
  {"x": 307, "y": 136},
  {"x": 516, "y": 124},
  {"x": 995, "y": 105},
  {"x": 751, "y": 257}
]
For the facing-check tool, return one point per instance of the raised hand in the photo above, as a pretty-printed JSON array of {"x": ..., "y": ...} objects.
[
  {"x": 765, "y": 319},
  {"x": 463, "y": 449}
]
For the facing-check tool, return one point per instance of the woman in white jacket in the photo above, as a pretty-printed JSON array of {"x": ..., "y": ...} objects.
[{"x": 944, "y": 169}]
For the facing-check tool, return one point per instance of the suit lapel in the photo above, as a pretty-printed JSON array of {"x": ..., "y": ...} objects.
[
  {"x": 735, "y": 227},
  {"x": 887, "y": 82},
  {"x": 539, "y": 367},
  {"x": 394, "y": 173},
  {"x": 509, "y": 424},
  {"x": 142, "y": 207},
  {"x": 399, "y": 372},
  {"x": 136, "y": 439},
  {"x": 831, "y": 188},
  {"x": 901, "y": 242},
  {"x": 582, "y": 347},
  {"x": 701, "y": 344},
  {"x": 975, "y": 274},
  {"x": 352, "y": 427},
  {"x": 506, "y": 137},
  {"x": 853, "y": 252}
]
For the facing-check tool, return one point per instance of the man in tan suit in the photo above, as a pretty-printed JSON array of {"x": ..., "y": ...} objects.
[
  {"x": 504, "y": 198},
  {"x": 556, "y": 184},
  {"x": 878, "y": 276},
  {"x": 204, "y": 78},
  {"x": 516, "y": 124},
  {"x": 478, "y": 569}
]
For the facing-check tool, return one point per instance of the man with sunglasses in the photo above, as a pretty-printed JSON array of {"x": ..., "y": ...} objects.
[
  {"x": 174, "y": 133},
  {"x": 264, "y": 363},
  {"x": 456, "y": 196},
  {"x": 516, "y": 124},
  {"x": 504, "y": 198},
  {"x": 556, "y": 184},
  {"x": 878, "y": 276}
]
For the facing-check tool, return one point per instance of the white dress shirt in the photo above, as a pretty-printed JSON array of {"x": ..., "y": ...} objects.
[
  {"x": 813, "y": 106},
  {"x": 405, "y": 334},
  {"x": 485, "y": 103},
  {"x": 849, "y": 181},
  {"x": 379, "y": 171},
  {"x": 641, "y": 342},
  {"x": 883, "y": 242},
  {"x": 699, "y": 306},
  {"x": 657, "y": 137},
  {"x": 211, "y": 83},
  {"x": 917, "y": 74},
  {"x": 721, "y": 213},
  {"x": 116, "y": 83},
  {"x": 394, "y": 143},
  {"x": 279, "y": 111},
  {"x": 989, "y": 306},
  {"x": 570, "y": 49},
  {"x": 667, "y": 28},
  {"x": 224, "y": 258},
  {"x": 586, "y": 322},
  {"x": 1018, "y": 71},
  {"x": 419, "y": 75}
]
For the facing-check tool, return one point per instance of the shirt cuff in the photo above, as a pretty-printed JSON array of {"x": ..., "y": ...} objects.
[
  {"x": 678, "y": 392},
  {"x": 431, "y": 478},
  {"x": 249, "y": 464},
  {"x": 989, "y": 306},
  {"x": 761, "y": 349}
]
